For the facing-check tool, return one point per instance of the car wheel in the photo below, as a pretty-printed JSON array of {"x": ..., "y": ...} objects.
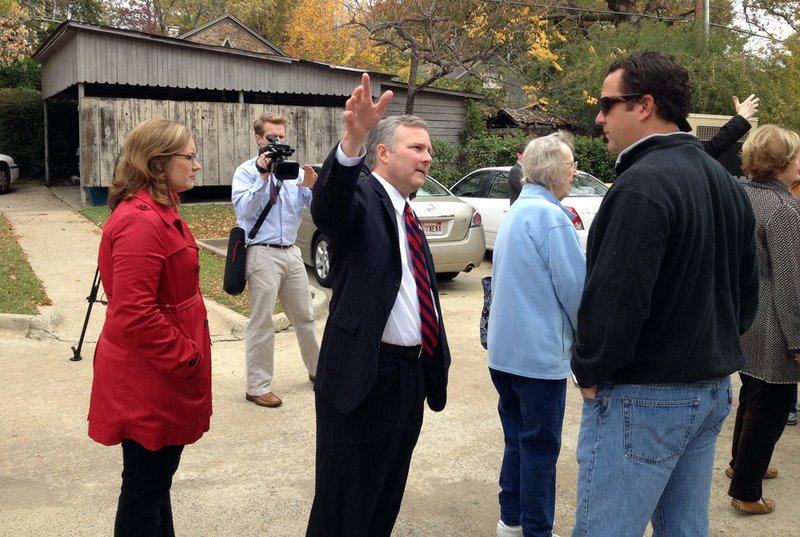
[
  {"x": 446, "y": 276},
  {"x": 321, "y": 259},
  {"x": 5, "y": 179}
]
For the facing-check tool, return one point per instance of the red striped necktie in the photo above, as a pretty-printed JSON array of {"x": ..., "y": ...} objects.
[{"x": 427, "y": 312}]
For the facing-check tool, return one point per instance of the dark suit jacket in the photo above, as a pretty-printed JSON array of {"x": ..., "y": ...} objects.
[
  {"x": 729, "y": 134},
  {"x": 514, "y": 182},
  {"x": 354, "y": 210}
]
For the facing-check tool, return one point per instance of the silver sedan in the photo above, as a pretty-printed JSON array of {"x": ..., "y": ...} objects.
[{"x": 453, "y": 228}]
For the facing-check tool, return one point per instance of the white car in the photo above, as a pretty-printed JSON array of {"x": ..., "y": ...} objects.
[
  {"x": 9, "y": 172},
  {"x": 453, "y": 229},
  {"x": 486, "y": 190}
]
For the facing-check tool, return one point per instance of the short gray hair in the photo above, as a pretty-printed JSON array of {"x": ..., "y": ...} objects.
[
  {"x": 542, "y": 158},
  {"x": 384, "y": 133}
]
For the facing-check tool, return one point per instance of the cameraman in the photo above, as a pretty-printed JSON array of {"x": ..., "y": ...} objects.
[{"x": 274, "y": 266}]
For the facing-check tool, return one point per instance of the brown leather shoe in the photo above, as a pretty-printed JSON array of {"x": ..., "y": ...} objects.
[
  {"x": 764, "y": 506},
  {"x": 268, "y": 399},
  {"x": 771, "y": 473},
  {"x": 312, "y": 378}
]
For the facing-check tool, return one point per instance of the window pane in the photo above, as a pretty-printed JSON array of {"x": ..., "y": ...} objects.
[
  {"x": 587, "y": 185},
  {"x": 499, "y": 188},
  {"x": 473, "y": 185}
]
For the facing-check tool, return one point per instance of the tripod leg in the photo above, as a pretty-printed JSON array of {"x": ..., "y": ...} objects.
[{"x": 92, "y": 298}]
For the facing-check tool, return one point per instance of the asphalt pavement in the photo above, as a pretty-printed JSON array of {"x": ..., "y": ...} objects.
[{"x": 252, "y": 474}]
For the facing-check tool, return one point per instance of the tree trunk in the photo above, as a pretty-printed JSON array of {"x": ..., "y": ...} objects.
[{"x": 412, "y": 83}]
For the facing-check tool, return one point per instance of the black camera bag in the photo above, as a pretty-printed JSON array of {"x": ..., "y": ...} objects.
[{"x": 233, "y": 281}]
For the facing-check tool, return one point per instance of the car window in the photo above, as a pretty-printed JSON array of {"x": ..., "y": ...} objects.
[
  {"x": 587, "y": 185},
  {"x": 473, "y": 185},
  {"x": 499, "y": 188},
  {"x": 431, "y": 188}
]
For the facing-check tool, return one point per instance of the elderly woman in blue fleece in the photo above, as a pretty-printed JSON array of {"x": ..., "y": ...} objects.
[{"x": 537, "y": 280}]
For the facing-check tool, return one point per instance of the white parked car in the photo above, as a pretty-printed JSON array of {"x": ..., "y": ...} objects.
[
  {"x": 9, "y": 172},
  {"x": 486, "y": 190},
  {"x": 453, "y": 229}
]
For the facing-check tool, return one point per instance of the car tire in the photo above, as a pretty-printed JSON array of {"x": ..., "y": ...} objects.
[
  {"x": 446, "y": 276},
  {"x": 321, "y": 260},
  {"x": 5, "y": 179}
]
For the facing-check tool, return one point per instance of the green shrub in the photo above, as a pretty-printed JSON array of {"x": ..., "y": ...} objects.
[
  {"x": 22, "y": 132},
  {"x": 593, "y": 157},
  {"x": 446, "y": 167},
  {"x": 491, "y": 150},
  {"x": 22, "y": 129}
]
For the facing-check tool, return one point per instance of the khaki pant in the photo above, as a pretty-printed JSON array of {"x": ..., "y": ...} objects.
[{"x": 275, "y": 273}]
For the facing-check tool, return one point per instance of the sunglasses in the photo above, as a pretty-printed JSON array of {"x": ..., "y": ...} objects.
[{"x": 607, "y": 103}]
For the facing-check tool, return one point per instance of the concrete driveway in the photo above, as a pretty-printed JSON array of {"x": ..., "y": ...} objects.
[{"x": 253, "y": 473}]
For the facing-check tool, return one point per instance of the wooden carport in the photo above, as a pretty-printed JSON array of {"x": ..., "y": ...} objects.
[{"x": 121, "y": 77}]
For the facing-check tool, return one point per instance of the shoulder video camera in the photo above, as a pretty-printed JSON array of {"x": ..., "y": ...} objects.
[{"x": 278, "y": 152}]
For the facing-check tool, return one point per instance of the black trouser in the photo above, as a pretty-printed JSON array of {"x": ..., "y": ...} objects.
[
  {"x": 363, "y": 458},
  {"x": 144, "y": 508},
  {"x": 760, "y": 420}
]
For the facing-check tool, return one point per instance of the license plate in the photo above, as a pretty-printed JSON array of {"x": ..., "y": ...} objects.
[{"x": 432, "y": 227}]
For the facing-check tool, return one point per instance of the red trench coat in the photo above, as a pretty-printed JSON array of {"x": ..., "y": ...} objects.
[{"x": 152, "y": 364}]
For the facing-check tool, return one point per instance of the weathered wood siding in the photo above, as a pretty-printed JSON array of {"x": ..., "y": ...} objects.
[
  {"x": 446, "y": 115},
  {"x": 223, "y": 133}
]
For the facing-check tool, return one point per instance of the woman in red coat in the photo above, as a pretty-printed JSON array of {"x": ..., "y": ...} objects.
[{"x": 152, "y": 366}]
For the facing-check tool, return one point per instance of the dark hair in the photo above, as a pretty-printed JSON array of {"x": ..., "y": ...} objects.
[
  {"x": 520, "y": 148},
  {"x": 658, "y": 75}
]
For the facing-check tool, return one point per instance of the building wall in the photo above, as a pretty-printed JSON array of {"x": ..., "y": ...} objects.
[
  {"x": 223, "y": 133},
  {"x": 445, "y": 114}
]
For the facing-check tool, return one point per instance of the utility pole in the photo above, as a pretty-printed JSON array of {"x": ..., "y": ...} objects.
[{"x": 702, "y": 9}]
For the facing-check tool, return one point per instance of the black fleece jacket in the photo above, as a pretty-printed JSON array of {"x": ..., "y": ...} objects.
[{"x": 672, "y": 276}]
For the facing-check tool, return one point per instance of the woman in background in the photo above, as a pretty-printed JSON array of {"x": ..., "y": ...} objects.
[
  {"x": 771, "y": 157},
  {"x": 152, "y": 368},
  {"x": 537, "y": 279}
]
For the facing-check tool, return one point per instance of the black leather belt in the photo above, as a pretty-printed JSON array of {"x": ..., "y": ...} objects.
[
  {"x": 281, "y": 246},
  {"x": 405, "y": 352}
]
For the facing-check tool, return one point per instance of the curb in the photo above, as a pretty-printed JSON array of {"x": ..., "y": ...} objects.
[{"x": 32, "y": 326}]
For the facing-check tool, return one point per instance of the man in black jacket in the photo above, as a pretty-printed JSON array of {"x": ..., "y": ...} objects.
[
  {"x": 384, "y": 350},
  {"x": 671, "y": 283}
]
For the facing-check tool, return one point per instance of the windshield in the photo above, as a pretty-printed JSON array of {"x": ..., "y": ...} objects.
[
  {"x": 431, "y": 188},
  {"x": 587, "y": 185}
]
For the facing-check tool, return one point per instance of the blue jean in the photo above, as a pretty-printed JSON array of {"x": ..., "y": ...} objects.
[
  {"x": 532, "y": 414},
  {"x": 646, "y": 452}
]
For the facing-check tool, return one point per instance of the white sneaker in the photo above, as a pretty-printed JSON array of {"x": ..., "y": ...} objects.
[{"x": 508, "y": 531}]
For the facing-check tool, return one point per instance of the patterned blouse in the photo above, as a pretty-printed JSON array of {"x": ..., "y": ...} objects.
[{"x": 775, "y": 333}]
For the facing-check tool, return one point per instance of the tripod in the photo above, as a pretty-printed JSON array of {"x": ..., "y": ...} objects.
[{"x": 92, "y": 298}]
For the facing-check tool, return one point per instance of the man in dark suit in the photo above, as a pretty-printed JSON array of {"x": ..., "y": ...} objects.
[
  {"x": 382, "y": 354},
  {"x": 515, "y": 175}
]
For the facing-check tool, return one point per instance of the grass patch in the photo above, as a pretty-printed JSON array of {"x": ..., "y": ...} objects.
[
  {"x": 207, "y": 221},
  {"x": 20, "y": 291}
]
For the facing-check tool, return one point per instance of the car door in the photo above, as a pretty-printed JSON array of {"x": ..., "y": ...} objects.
[{"x": 496, "y": 206}]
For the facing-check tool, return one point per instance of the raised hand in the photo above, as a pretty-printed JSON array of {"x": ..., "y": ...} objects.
[
  {"x": 309, "y": 177},
  {"x": 746, "y": 108},
  {"x": 361, "y": 115}
]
